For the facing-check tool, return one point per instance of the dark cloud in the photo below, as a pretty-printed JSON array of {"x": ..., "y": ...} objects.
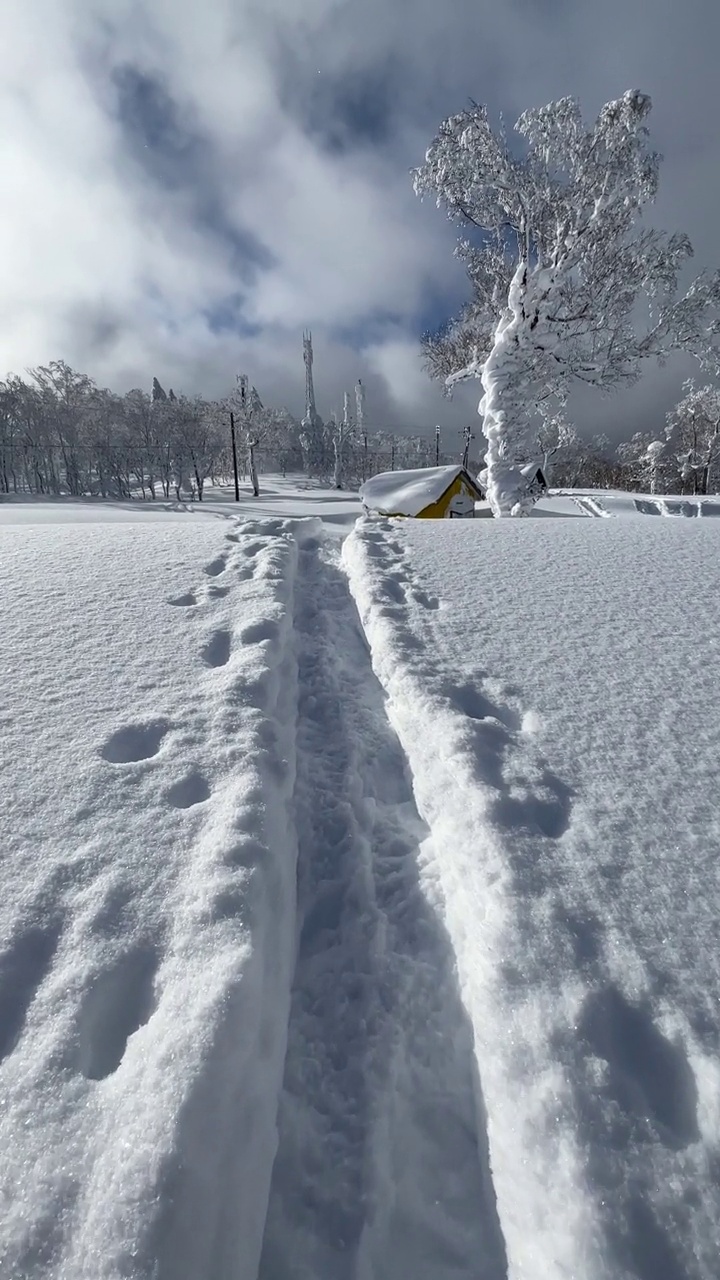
[
  {"x": 342, "y": 111},
  {"x": 152, "y": 123}
]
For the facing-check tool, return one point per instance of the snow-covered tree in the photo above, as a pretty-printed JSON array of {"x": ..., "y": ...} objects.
[
  {"x": 272, "y": 433},
  {"x": 200, "y": 442},
  {"x": 66, "y": 396},
  {"x": 693, "y": 435},
  {"x": 248, "y": 409},
  {"x": 341, "y": 431},
  {"x": 652, "y": 460},
  {"x": 558, "y": 265},
  {"x": 556, "y": 438},
  {"x": 643, "y": 460}
]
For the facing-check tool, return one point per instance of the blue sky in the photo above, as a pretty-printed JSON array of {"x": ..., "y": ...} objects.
[{"x": 187, "y": 187}]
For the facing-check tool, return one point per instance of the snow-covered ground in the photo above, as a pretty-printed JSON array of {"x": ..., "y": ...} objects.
[
  {"x": 554, "y": 688},
  {"x": 617, "y": 502},
  {"x": 359, "y": 901},
  {"x": 279, "y": 497}
]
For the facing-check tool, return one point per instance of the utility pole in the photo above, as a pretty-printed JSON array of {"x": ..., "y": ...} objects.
[
  {"x": 234, "y": 453},
  {"x": 392, "y": 456},
  {"x": 437, "y": 445}
]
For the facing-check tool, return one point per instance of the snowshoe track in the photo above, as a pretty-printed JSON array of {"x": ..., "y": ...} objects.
[{"x": 382, "y": 1166}]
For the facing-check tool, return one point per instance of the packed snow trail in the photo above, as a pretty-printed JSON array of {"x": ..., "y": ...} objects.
[{"x": 382, "y": 1162}]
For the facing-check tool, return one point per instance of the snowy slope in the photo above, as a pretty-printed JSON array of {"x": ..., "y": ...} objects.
[{"x": 554, "y": 687}]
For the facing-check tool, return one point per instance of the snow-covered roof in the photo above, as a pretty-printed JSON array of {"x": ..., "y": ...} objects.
[
  {"x": 532, "y": 469},
  {"x": 406, "y": 493}
]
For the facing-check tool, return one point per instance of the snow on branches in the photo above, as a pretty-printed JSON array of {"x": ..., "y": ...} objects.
[
  {"x": 558, "y": 269},
  {"x": 693, "y": 436}
]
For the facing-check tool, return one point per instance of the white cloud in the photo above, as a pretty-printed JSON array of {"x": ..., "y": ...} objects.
[{"x": 117, "y": 258}]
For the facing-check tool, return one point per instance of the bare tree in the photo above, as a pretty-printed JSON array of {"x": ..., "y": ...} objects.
[
  {"x": 66, "y": 394},
  {"x": 559, "y": 269}
]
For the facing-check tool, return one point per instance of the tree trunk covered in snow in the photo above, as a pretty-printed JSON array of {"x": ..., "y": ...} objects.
[
  {"x": 508, "y": 423},
  {"x": 338, "y": 462},
  {"x": 340, "y": 432},
  {"x": 252, "y": 468}
]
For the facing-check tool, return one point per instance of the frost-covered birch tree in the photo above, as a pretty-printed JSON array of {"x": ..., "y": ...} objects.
[
  {"x": 652, "y": 461},
  {"x": 341, "y": 431},
  {"x": 556, "y": 436},
  {"x": 693, "y": 434},
  {"x": 558, "y": 265}
]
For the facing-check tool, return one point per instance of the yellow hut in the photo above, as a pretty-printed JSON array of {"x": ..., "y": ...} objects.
[{"x": 427, "y": 493}]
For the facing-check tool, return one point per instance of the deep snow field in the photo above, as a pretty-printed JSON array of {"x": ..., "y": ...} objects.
[{"x": 360, "y": 902}]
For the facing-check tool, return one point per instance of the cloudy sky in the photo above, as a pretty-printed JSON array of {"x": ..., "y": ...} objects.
[{"x": 186, "y": 184}]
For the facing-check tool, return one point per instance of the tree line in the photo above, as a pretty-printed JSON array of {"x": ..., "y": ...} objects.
[
  {"x": 684, "y": 458},
  {"x": 60, "y": 433}
]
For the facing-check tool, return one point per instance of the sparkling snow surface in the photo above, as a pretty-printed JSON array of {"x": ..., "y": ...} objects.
[
  {"x": 555, "y": 688},
  {"x": 331, "y": 953}
]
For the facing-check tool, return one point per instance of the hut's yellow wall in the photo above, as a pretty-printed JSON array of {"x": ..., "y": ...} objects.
[{"x": 438, "y": 510}]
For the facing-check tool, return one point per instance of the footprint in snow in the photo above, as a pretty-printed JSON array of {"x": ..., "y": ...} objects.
[
  {"x": 649, "y": 1075},
  {"x": 426, "y": 601},
  {"x": 393, "y": 588},
  {"x": 116, "y": 1004},
  {"x": 547, "y": 813},
  {"x": 252, "y": 548},
  {"x": 216, "y": 651},
  {"x": 256, "y": 632},
  {"x": 469, "y": 700},
  {"x": 135, "y": 742},
  {"x": 185, "y": 601},
  {"x": 23, "y": 966},
  {"x": 216, "y": 567},
  {"x": 217, "y": 593},
  {"x": 189, "y": 791}
]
